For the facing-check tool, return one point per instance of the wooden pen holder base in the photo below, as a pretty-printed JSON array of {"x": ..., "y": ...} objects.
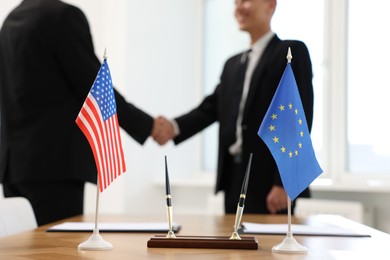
[{"x": 216, "y": 242}]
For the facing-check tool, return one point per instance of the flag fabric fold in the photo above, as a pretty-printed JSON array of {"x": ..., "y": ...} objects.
[
  {"x": 285, "y": 131},
  {"x": 98, "y": 121}
]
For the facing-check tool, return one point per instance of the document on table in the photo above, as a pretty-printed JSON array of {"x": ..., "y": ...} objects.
[
  {"x": 152, "y": 227},
  {"x": 298, "y": 230},
  {"x": 327, "y": 226}
]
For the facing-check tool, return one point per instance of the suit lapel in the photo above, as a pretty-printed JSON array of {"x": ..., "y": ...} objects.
[{"x": 256, "y": 77}]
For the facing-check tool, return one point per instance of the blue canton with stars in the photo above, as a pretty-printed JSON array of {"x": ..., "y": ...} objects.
[{"x": 103, "y": 92}]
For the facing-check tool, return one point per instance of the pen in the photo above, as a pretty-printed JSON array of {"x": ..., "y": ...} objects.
[
  {"x": 170, "y": 234},
  {"x": 241, "y": 202}
]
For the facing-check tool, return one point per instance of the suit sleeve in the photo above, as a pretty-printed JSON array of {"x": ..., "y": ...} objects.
[
  {"x": 199, "y": 118},
  {"x": 302, "y": 68},
  {"x": 133, "y": 120},
  {"x": 80, "y": 66}
]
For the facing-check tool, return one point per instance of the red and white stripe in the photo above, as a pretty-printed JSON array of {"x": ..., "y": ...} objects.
[{"x": 105, "y": 141}]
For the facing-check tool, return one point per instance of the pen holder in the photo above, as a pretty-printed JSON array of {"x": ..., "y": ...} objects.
[{"x": 215, "y": 242}]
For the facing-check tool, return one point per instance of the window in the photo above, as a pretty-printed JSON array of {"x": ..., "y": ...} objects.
[{"x": 368, "y": 87}]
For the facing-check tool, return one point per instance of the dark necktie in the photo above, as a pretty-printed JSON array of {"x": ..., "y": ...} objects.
[
  {"x": 237, "y": 94},
  {"x": 241, "y": 73}
]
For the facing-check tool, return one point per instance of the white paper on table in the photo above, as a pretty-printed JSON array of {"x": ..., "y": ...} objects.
[
  {"x": 298, "y": 229},
  {"x": 113, "y": 227}
]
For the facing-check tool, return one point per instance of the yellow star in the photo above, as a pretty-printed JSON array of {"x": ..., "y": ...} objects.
[
  {"x": 281, "y": 107},
  {"x": 300, "y": 121},
  {"x": 276, "y": 140},
  {"x": 283, "y": 149},
  {"x": 271, "y": 128},
  {"x": 301, "y": 133},
  {"x": 296, "y": 152},
  {"x": 290, "y": 154},
  {"x": 300, "y": 145},
  {"x": 296, "y": 111},
  {"x": 274, "y": 116},
  {"x": 290, "y": 106}
]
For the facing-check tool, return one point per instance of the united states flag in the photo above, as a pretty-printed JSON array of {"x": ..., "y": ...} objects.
[{"x": 99, "y": 123}]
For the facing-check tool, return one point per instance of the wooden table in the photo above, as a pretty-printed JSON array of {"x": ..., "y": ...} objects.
[{"x": 39, "y": 244}]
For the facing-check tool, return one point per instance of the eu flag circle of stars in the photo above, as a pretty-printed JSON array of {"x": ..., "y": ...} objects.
[{"x": 293, "y": 149}]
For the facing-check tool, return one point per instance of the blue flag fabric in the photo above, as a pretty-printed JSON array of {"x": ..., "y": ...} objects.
[{"x": 285, "y": 132}]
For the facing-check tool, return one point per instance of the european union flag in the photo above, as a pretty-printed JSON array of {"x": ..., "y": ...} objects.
[{"x": 285, "y": 132}]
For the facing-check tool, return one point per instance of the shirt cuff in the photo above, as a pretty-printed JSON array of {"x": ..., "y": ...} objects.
[{"x": 176, "y": 128}]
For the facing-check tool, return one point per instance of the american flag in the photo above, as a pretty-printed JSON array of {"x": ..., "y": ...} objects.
[{"x": 98, "y": 121}]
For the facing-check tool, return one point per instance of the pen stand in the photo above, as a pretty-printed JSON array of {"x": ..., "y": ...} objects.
[{"x": 215, "y": 242}]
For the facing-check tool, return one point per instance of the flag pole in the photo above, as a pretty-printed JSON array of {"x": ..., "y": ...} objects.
[
  {"x": 96, "y": 230},
  {"x": 289, "y": 215},
  {"x": 289, "y": 245},
  {"x": 95, "y": 241}
]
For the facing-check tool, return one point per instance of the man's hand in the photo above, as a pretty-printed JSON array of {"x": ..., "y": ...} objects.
[
  {"x": 276, "y": 199},
  {"x": 163, "y": 130}
]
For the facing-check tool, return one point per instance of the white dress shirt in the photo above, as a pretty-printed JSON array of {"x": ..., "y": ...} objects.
[{"x": 255, "y": 54}]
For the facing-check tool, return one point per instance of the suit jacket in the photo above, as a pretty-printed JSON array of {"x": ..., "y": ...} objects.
[
  {"x": 217, "y": 108},
  {"x": 47, "y": 67}
]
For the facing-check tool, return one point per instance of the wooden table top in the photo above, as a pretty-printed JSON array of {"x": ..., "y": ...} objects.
[{"x": 39, "y": 244}]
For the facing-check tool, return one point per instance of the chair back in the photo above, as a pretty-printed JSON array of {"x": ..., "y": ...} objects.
[{"x": 16, "y": 215}]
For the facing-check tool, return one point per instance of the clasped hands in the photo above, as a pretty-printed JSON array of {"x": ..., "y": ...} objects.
[{"x": 163, "y": 130}]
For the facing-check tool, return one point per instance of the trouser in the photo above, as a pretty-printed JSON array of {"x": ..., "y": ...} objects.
[
  {"x": 255, "y": 201},
  {"x": 234, "y": 183}
]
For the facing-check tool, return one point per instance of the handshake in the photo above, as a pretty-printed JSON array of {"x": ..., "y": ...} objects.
[{"x": 163, "y": 130}]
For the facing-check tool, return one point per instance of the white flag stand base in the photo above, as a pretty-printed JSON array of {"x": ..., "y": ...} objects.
[
  {"x": 290, "y": 246},
  {"x": 95, "y": 242}
]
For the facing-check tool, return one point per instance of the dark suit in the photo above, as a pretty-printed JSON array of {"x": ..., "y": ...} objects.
[
  {"x": 217, "y": 108},
  {"x": 47, "y": 67}
]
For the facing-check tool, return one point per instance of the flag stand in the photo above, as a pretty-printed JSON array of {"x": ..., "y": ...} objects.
[
  {"x": 289, "y": 245},
  {"x": 95, "y": 241}
]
